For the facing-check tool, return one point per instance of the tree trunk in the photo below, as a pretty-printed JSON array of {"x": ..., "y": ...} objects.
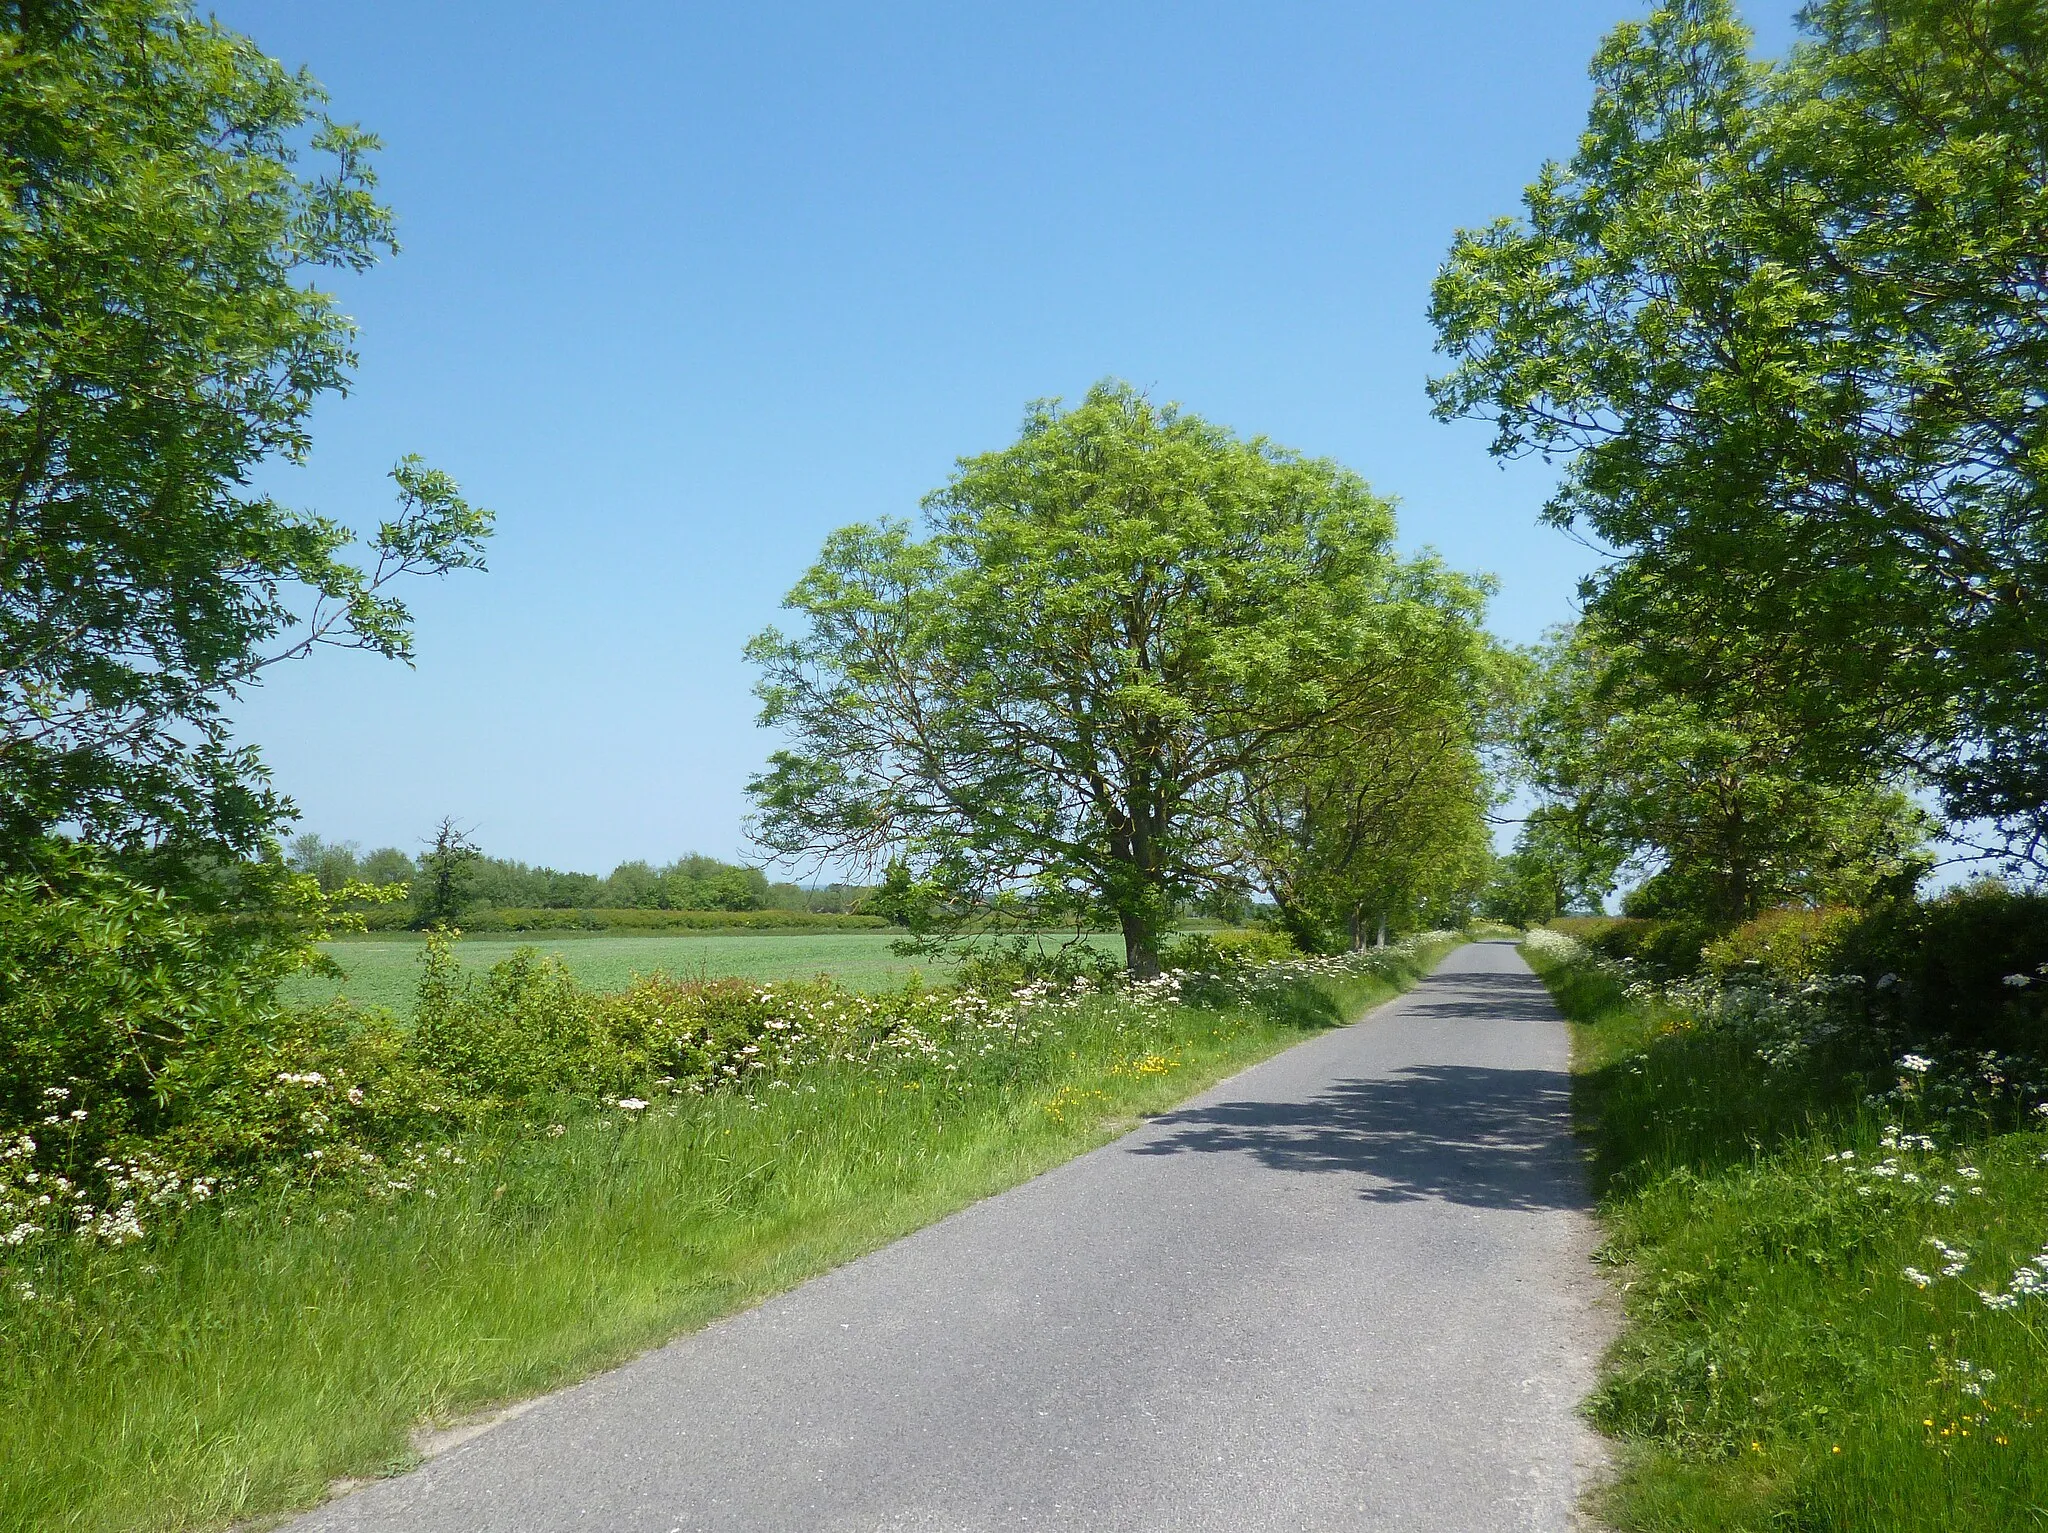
[
  {"x": 1357, "y": 929},
  {"x": 1383, "y": 930},
  {"x": 1141, "y": 949}
]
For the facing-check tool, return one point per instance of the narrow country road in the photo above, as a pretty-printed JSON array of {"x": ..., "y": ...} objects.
[{"x": 1347, "y": 1289}]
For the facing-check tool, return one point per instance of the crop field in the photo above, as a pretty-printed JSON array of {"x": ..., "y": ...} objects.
[{"x": 385, "y": 971}]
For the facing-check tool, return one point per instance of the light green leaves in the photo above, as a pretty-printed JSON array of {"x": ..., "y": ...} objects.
[{"x": 1058, "y": 700}]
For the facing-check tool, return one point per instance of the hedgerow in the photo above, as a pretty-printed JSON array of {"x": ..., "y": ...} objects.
[
  {"x": 149, "y": 1068},
  {"x": 1831, "y": 1223}
]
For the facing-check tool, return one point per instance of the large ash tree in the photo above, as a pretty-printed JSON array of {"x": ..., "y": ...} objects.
[
  {"x": 1787, "y": 326},
  {"x": 166, "y": 195},
  {"x": 1063, "y": 694}
]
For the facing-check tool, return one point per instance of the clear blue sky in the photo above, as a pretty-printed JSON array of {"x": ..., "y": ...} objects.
[{"x": 686, "y": 286}]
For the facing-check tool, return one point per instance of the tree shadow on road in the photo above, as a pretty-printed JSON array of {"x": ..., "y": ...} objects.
[
  {"x": 1468, "y": 996},
  {"x": 1457, "y": 1133}
]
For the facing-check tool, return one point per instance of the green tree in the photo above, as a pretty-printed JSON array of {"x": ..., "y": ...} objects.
[
  {"x": 1376, "y": 820},
  {"x": 331, "y": 863},
  {"x": 1056, "y": 701},
  {"x": 387, "y": 865},
  {"x": 1558, "y": 867},
  {"x": 160, "y": 336},
  {"x": 445, "y": 887},
  {"x": 1715, "y": 813},
  {"x": 1785, "y": 324}
]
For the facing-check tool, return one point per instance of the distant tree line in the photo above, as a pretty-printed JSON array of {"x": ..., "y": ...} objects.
[{"x": 470, "y": 879}]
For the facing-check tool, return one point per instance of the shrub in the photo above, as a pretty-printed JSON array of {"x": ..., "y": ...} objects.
[
  {"x": 107, "y": 984},
  {"x": 1970, "y": 965},
  {"x": 1790, "y": 945},
  {"x": 1000, "y": 967},
  {"x": 1229, "y": 952},
  {"x": 1666, "y": 949},
  {"x": 257, "y": 1094},
  {"x": 143, "y": 1057}
]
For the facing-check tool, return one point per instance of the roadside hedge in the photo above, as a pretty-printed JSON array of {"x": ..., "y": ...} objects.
[{"x": 1969, "y": 965}]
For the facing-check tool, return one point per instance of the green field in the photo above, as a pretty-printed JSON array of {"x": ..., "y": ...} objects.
[{"x": 383, "y": 971}]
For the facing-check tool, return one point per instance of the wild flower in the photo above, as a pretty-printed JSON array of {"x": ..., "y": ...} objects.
[
  {"x": 1956, "y": 1257},
  {"x": 1554, "y": 946},
  {"x": 326, "y": 1120}
]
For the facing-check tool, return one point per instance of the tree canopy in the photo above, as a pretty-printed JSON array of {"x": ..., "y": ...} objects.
[
  {"x": 1381, "y": 818},
  {"x": 1784, "y": 324},
  {"x": 1712, "y": 811},
  {"x": 1062, "y": 697},
  {"x": 159, "y": 339}
]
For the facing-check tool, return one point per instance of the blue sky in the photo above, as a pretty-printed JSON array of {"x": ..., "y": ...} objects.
[{"x": 686, "y": 286}]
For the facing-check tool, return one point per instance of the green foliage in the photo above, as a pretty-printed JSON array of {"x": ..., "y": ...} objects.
[
  {"x": 1966, "y": 967},
  {"x": 446, "y": 885},
  {"x": 1831, "y": 1255},
  {"x": 1002, "y": 966},
  {"x": 1230, "y": 952},
  {"x": 1052, "y": 705},
  {"x": 1971, "y": 965},
  {"x": 333, "y": 864},
  {"x": 1793, "y": 946},
  {"x": 1721, "y": 811},
  {"x": 1662, "y": 949},
  {"x": 500, "y": 894},
  {"x": 694, "y": 882},
  {"x": 1558, "y": 867},
  {"x": 133, "y": 1032},
  {"x": 237, "y": 1362},
  {"x": 149, "y": 1065},
  {"x": 1379, "y": 820},
  {"x": 162, "y": 337},
  {"x": 1785, "y": 325}
]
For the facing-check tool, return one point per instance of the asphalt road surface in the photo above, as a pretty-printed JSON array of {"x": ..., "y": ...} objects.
[{"x": 1347, "y": 1289}]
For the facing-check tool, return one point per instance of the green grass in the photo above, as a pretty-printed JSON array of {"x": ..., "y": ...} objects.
[
  {"x": 385, "y": 971},
  {"x": 235, "y": 1367},
  {"x": 1779, "y": 1371}
]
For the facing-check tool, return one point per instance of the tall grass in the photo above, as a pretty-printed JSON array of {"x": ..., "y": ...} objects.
[
  {"x": 240, "y": 1364},
  {"x": 1800, "y": 1353}
]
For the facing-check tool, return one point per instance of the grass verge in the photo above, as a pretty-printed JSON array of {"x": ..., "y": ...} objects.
[
  {"x": 1830, "y": 1320},
  {"x": 240, "y": 1365}
]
